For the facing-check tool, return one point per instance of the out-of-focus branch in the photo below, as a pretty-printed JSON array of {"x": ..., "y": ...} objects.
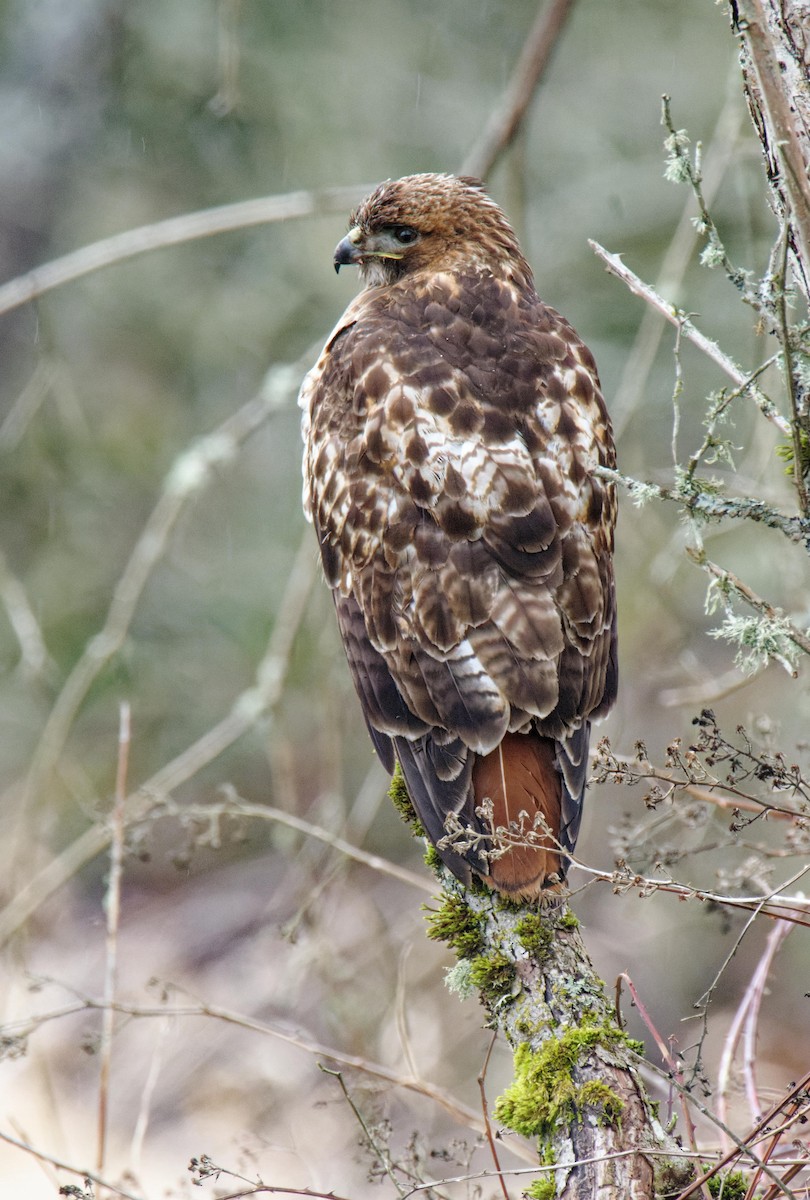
[
  {"x": 188, "y": 476},
  {"x": 506, "y": 119},
  {"x": 292, "y": 1037},
  {"x": 263, "y": 210},
  {"x": 248, "y": 708}
]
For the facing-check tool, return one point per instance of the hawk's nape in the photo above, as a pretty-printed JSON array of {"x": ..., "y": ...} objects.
[{"x": 452, "y": 428}]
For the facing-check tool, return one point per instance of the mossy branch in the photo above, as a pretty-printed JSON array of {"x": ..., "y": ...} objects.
[{"x": 576, "y": 1090}]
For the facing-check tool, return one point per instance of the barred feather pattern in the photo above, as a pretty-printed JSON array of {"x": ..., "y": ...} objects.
[{"x": 452, "y": 425}]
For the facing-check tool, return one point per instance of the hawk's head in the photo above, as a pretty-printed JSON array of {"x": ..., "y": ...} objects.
[{"x": 429, "y": 223}]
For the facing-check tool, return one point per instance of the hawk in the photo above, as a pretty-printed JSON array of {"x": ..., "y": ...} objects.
[{"x": 452, "y": 425}]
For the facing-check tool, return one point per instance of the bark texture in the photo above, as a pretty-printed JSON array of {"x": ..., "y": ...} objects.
[
  {"x": 576, "y": 1090},
  {"x": 775, "y": 55},
  {"x": 775, "y": 61}
]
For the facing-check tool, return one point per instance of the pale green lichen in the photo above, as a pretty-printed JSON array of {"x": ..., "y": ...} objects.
[{"x": 458, "y": 979}]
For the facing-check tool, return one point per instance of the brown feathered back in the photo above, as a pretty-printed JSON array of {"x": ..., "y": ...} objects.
[{"x": 452, "y": 426}]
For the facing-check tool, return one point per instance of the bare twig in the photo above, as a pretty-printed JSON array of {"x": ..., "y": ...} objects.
[
  {"x": 529, "y": 69},
  {"x": 688, "y": 329},
  {"x": 113, "y": 906},
  {"x": 61, "y": 1165},
  {"x": 639, "y": 361},
  {"x": 482, "y": 1087}
]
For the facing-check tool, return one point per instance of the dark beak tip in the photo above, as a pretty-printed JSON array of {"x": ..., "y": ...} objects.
[
  {"x": 347, "y": 254},
  {"x": 337, "y": 266}
]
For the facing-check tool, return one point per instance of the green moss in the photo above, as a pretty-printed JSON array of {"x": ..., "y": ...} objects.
[
  {"x": 541, "y": 1189},
  {"x": 544, "y": 1094},
  {"x": 433, "y": 860},
  {"x": 569, "y": 921},
  {"x": 494, "y": 976},
  {"x": 457, "y": 924},
  {"x": 728, "y": 1185},
  {"x": 596, "y": 1094},
  {"x": 398, "y": 795},
  {"x": 536, "y": 935}
]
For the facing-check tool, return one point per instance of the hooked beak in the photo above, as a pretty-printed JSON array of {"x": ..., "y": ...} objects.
[{"x": 347, "y": 251}]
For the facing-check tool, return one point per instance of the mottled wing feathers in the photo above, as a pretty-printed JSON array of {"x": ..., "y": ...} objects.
[{"x": 452, "y": 427}]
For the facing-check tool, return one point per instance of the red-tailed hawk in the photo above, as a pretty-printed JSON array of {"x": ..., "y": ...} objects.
[{"x": 452, "y": 425}]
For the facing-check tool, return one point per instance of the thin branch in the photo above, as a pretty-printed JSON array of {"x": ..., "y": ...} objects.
[
  {"x": 728, "y": 578},
  {"x": 679, "y": 319},
  {"x": 263, "y": 210},
  {"x": 745, "y": 1019},
  {"x": 61, "y": 1165},
  {"x": 639, "y": 361},
  {"x": 113, "y": 906},
  {"x": 460, "y": 1112},
  {"x": 786, "y": 908},
  {"x": 506, "y": 119},
  {"x": 482, "y": 1087}
]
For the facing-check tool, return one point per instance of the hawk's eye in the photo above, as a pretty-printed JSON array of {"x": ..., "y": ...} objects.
[{"x": 404, "y": 234}]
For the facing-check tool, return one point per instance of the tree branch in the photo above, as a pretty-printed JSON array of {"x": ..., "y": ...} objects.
[
  {"x": 505, "y": 121},
  {"x": 576, "y": 1088}
]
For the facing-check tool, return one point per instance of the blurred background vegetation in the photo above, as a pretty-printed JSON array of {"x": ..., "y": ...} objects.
[{"x": 122, "y": 114}]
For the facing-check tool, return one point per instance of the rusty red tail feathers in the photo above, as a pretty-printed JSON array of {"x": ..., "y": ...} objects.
[{"x": 521, "y": 781}]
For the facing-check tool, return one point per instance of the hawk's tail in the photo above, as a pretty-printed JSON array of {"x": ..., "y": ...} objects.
[{"x": 532, "y": 786}]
